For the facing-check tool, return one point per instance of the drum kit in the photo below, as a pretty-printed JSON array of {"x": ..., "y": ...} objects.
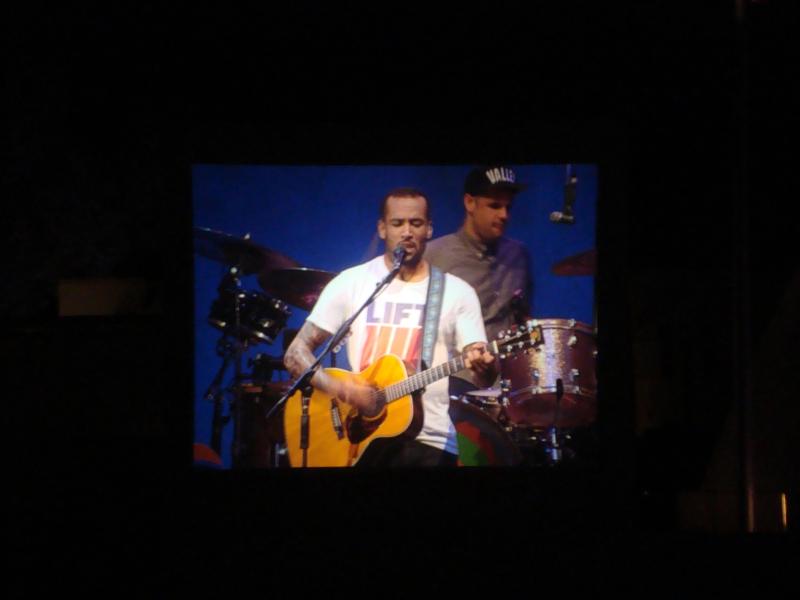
[
  {"x": 246, "y": 319},
  {"x": 545, "y": 398}
]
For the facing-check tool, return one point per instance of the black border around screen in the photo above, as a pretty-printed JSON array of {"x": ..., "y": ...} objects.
[{"x": 538, "y": 498}]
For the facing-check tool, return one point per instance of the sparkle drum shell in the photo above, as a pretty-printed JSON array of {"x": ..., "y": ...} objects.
[{"x": 566, "y": 359}]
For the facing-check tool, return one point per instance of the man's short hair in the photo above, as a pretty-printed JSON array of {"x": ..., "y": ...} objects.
[{"x": 405, "y": 192}]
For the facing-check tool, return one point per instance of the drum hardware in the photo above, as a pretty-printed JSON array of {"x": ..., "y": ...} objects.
[
  {"x": 213, "y": 394},
  {"x": 262, "y": 441},
  {"x": 248, "y": 318},
  {"x": 548, "y": 391},
  {"x": 243, "y": 317},
  {"x": 263, "y": 366},
  {"x": 555, "y": 384},
  {"x": 553, "y": 447},
  {"x": 261, "y": 318}
]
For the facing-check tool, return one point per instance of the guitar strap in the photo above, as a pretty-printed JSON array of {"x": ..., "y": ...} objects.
[{"x": 433, "y": 306}]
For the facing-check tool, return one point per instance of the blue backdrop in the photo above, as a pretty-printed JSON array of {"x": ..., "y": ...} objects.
[{"x": 325, "y": 218}]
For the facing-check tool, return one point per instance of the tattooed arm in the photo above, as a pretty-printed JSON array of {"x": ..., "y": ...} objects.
[{"x": 300, "y": 355}]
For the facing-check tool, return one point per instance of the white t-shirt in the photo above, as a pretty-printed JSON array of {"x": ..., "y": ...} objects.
[{"x": 392, "y": 324}]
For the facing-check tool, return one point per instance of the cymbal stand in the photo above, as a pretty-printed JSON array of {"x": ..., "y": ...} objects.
[
  {"x": 214, "y": 394},
  {"x": 230, "y": 351},
  {"x": 239, "y": 445}
]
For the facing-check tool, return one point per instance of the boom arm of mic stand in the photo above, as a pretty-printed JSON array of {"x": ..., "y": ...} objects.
[{"x": 305, "y": 378}]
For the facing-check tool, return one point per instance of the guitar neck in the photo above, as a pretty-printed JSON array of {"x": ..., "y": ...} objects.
[{"x": 424, "y": 378}]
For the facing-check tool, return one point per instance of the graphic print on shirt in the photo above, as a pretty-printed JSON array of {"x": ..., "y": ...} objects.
[{"x": 392, "y": 328}]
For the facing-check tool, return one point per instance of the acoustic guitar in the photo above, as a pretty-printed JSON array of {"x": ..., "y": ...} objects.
[{"x": 323, "y": 431}]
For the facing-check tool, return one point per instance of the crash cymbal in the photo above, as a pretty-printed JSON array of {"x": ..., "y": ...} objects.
[
  {"x": 584, "y": 263},
  {"x": 234, "y": 251},
  {"x": 299, "y": 286}
]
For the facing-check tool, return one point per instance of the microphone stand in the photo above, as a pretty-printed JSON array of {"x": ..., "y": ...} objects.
[{"x": 303, "y": 382}]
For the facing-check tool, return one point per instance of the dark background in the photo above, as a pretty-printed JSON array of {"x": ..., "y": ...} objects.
[{"x": 696, "y": 113}]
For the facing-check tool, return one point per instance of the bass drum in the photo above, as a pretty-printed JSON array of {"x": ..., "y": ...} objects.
[
  {"x": 481, "y": 441},
  {"x": 262, "y": 441},
  {"x": 565, "y": 363}
]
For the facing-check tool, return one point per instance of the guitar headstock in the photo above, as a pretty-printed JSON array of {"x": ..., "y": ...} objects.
[{"x": 523, "y": 337}]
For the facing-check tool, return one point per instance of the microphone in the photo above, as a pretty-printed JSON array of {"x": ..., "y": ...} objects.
[
  {"x": 560, "y": 217},
  {"x": 399, "y": 254}
]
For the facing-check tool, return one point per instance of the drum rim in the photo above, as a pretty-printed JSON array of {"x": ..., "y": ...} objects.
[
  {"x": 551, "y": 389},
  {"x": 562, "y": 323}
]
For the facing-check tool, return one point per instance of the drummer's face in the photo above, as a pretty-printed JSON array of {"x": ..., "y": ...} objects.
[
  {"x": 489, "y": 215},
  {"x": 405, "y": 221}
]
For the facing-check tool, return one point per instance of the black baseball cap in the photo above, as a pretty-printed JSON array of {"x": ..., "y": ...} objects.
[{"x": 481, "y": 181}]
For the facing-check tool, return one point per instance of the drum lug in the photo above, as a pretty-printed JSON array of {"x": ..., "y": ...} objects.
[
  {"x": 574, "y": 374},
  {"x": 573, "y": 341},
  {"x": 535, "y": 373},
  {"x": 571, "y": 323}
]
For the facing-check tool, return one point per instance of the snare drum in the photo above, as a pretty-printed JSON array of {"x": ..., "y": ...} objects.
[{"x": 563, "y": 365}]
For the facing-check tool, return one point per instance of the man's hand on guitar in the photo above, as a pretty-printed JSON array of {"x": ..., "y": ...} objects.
[
  {"x": 360, "y": 396},
  {"x": 481, "y": 362}
]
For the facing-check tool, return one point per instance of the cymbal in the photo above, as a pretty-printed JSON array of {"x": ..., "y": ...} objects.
[
  {"x": 584, "y": 263},
  {"x": 299, "y": 286},
  {"x": 234, "y": 251}
]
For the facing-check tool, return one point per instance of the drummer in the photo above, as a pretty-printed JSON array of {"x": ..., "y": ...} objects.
[{"x": 497, "y": 267}]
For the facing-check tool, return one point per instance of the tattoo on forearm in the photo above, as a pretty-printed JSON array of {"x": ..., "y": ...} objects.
[{"x": 300, "y": 353}]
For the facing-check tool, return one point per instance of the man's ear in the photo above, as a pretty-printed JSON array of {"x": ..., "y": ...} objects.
[
  {"x": 381, "y": 229},
  {"x": 469, "y": 203},
  {"x": 430, "y": 230}
]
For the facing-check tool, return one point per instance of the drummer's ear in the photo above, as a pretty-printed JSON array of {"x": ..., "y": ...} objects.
[
  {"x": 381, "y": 229},
  {"x": 430, "y": 230},
  {"x": 469, "y": 203}
]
